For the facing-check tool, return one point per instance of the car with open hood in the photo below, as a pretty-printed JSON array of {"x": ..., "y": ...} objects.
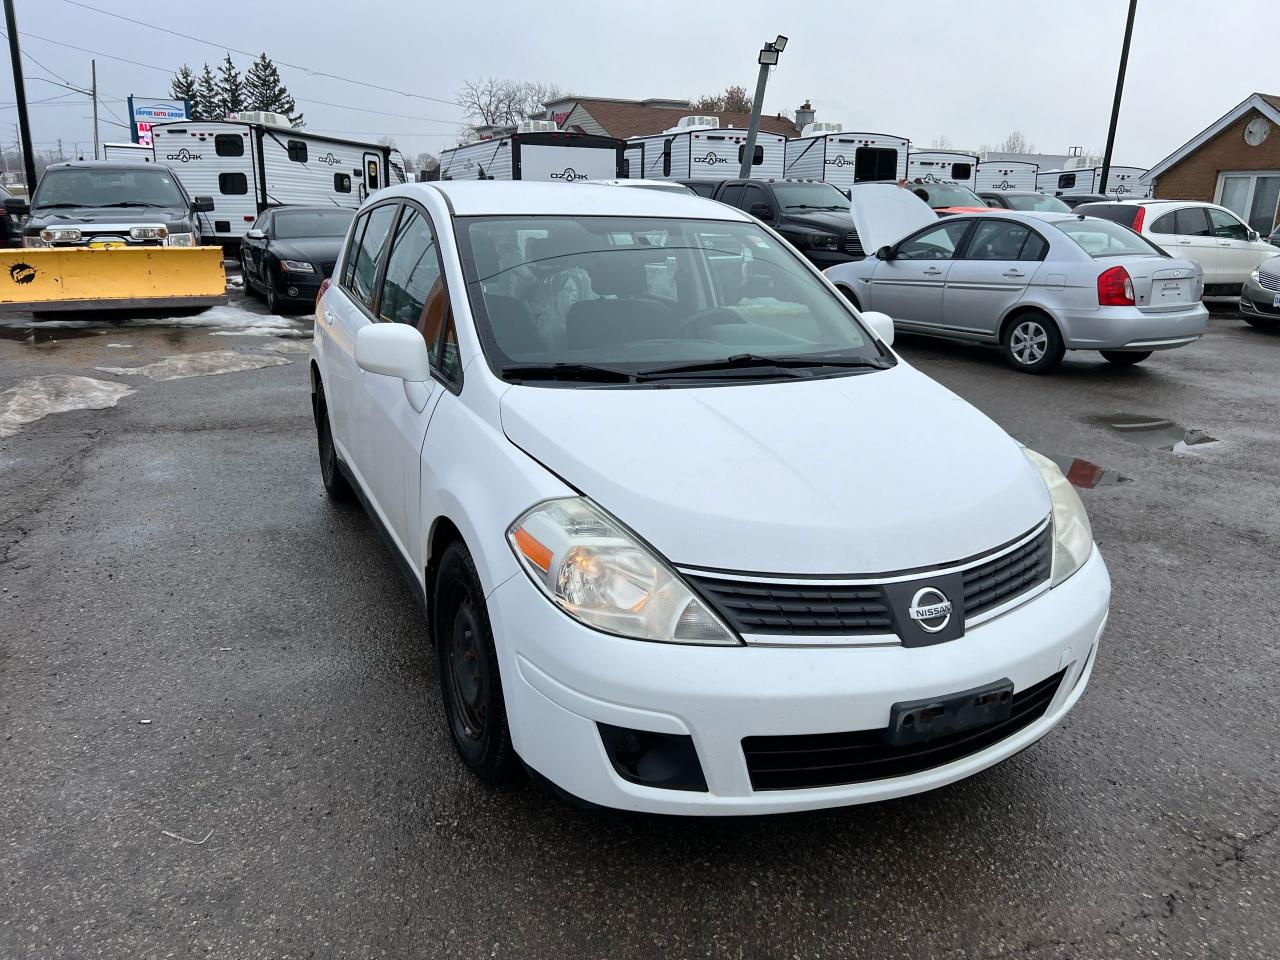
[
  {"x": 1037, "y": 284},
  {"x": 689, "y": 535}
]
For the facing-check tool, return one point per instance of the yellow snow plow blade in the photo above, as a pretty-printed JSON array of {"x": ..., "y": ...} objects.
[{"x": 117, "y": 278}]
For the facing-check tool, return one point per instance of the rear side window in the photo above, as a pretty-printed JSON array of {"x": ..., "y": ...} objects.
[
  {"x": 368, "y": 239},
  {"x": 1164, "y": 224},
  {"x": 998, "y": 240},
  {"x": 757, "y": 155},
  {"x": 233, "y": 183},
  {"x": 228, "y": 145},
  {"x": 1120, "y": 213},
  {"x": 297, "y": 151},
  {"x": 875, "y": 163},
  {"x": 1192, "y": 222}
]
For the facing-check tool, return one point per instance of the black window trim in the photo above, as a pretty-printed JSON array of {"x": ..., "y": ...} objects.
[
  {"x": 341, "y": 178},
  {"x": 370, "y": 311},
  {"x": 962, "y": 252}
]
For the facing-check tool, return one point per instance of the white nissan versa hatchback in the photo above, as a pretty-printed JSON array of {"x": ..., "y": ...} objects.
[{"x": 690, "y": 537}]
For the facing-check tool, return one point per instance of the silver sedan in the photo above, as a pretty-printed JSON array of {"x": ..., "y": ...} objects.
[{"x": 1037, "y": 284}]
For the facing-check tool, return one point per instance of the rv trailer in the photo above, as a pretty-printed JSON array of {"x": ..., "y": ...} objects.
[
  {"x": 257, "y": 160},
  {"x": 128, "y": 151},
  {"x": 824, "y": 151},
  {"x": 537, "y": 150},
  {"x": 953, "y": 165},
  {"x": 1123, "y": 183},
  {"x": 1006, "y": 175},
  {"x": 698, "y": 148}
]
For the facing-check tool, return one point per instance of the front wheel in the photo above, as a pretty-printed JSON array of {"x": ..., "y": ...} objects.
[
  {"x": 1032, "y": 344},
  {"x": 468, "y": 662},
  {"x": 1125, "y": 358},
  {"x": 273, "y": 298}
]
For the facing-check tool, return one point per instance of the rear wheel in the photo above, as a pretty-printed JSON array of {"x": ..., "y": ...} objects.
[
  {"x": 468, "y": 662},
  {"x": 1125, "y": 358},
  {"x": 1032, "y": 343},
  {"x": 335, "y": 483}
]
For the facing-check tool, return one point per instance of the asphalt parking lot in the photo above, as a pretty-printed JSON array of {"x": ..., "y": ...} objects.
[{"x": 222, "y": 735}]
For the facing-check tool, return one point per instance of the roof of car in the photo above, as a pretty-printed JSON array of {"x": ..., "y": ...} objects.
[
  {"x": 107, "y": 165},
  {"x": 477, "y": 198}
]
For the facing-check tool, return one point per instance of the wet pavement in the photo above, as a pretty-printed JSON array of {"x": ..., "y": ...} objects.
[{"x": 222, "y": 735}]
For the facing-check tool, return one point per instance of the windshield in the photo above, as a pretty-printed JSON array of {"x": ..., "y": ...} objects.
[
  {"x": 1102, "y": 238},
  {"x": 1035, "y": 201},
  {"x": 810, "y": 196},
  {"x": 100, "y": 188},
  {"x": 946, "y": 195},
  {"x": 295, "y": 224},
  {"x": 639, "y": 294}
]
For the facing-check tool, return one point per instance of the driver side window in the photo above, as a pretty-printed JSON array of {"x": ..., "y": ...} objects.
[{"x": 934, "y": 243}]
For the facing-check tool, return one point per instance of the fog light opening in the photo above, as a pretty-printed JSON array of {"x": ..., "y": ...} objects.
[
  {"x": 293, "y": 291},
  {"x": 665, "y": 760}
]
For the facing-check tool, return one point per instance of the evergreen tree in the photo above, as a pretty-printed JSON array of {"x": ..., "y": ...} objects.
[
  {"x": 207, "y": 104},
  {"x": 263, "y": 90},
  {"x": 230, "y": 88},
  {"x": 183, "y": 85}
]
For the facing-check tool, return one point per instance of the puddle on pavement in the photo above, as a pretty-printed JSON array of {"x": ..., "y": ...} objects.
[
  {"x": 35, "y": 399},
  {"x": 1086, "y": 475},
  {"x": 1155, "y": 433},
  {"x": 35, "y": 336}
]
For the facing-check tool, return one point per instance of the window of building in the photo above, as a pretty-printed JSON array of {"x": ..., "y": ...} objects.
[
  {"x": 875, "y": 163},
  {"x": 228, "y": 145},
  {"x": 297, "y": 151},
  {"x": 233, "y": 183},
  {"x": 1252, "y": 197}
]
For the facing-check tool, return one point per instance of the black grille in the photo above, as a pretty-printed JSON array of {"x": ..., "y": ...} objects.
[
  {"x": 784, "y": 608},
  {"x": 832, "y": 759},
  {"x": 997, "y": 581}
]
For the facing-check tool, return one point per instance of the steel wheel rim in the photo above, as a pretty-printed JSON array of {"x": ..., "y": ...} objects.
[
  {"x": 468, "y": 689},
  {"x": 1029, "y": 343}
]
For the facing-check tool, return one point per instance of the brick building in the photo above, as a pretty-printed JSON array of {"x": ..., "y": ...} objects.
[
  {"x": 640, "y": 118},
  {"x": 1235, "y": 162}
]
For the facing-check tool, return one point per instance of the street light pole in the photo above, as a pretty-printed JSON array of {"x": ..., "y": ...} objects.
[
  {"x": 768, "y": 58},
  {"x": 93, "y": 87},
  {"x": 20, "y": 95},
  {"x": 1115, "y": 104}
]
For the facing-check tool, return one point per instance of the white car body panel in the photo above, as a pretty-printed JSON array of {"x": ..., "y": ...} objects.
[{"x": 884, "y": 213}]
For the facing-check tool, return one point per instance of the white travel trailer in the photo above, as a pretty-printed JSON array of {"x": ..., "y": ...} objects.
[
  {"x": 1006, "y": 175},
  {"x": 824, "y": 151},
  {"x": 257, "y": 160},
  {"x": 697, "y": 148},
  {"x": 953, "y": 165},
  {"x": 127, "y": 151},
  {"x": 537, "y": 150},
  {"x": 1123, "y": 183}
]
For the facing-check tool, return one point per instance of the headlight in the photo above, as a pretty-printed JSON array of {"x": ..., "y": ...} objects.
[
  {"x": 33, "y": 241},
  {"x": 148, "y": 233},
  {"x": 182, "y": 239},
  {"x": 824, "y": 241},
  {"x": 1253, "y": 277},
  {"x": 297, "y": 266},
  {"x": 60, "y": 235},
  {"x": 1072, "y": 535},
  {"x": 591, "y": 567}
]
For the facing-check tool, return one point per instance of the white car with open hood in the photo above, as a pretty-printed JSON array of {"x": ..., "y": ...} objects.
[
  {"x": 1038, "y": 283},
  {"x": 690, "y": 537}
]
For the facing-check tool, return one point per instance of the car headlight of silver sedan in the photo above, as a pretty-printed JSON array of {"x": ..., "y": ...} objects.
[
  {"x": 1072, "y": 535},
  {"x": 600, "y": 574}
]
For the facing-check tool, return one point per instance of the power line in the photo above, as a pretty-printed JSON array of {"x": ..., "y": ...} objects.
[{"x": 245, "y": 53}]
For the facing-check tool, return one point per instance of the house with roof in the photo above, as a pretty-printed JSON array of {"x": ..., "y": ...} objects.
[
  {"x": 1234, "y": 162},
  {"x": 624, "y": 119}
]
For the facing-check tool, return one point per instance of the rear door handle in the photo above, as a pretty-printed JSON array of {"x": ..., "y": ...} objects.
[
  {"x": 1014, "y": 273},
  {"x": 1185, "y": 243},
  {"x": 932, "y": 272}
]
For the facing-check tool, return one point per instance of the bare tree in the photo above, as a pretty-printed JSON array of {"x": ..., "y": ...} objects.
[
  {"x": 734, "y": 99},
  {"x": 941, "y": 141},
  {"x": 426, "y": 161},
  {"x": 494, "y": 102},
  {"x": 1017, "y": 142}
]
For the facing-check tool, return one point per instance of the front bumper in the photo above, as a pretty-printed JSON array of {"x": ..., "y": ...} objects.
[
  {"x": 296, "y": 286},
  {"x": 561, "y": 679},
  {"x": 1129, "y": 328},
  {"x": 1256, "y": 301}
]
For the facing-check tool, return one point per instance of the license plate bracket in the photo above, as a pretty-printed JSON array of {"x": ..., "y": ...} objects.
[{"x": 917, "y": 721}]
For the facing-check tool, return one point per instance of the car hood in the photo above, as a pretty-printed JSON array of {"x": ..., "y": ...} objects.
[
  {"x": 884, "y": 213},
  {"x": 308, "y": 248},
  {"x": 836, "y": 221},
  {"x": 861, "y": 474},
  {"x": 74, "y": 216}
]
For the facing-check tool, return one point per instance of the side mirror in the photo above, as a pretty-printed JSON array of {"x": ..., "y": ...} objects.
[
  {"x": 16, "y": 207},
  {"x": 202, "y": 204},
  {"x": 255, "y": 234},
  {"x": 1254, "y": 235},
  {"x": 760, "y": 210},
  {"x": 881, "y": 323},
  {"x": 884, "y": 253},
  {"x": 393, "y": 350}
]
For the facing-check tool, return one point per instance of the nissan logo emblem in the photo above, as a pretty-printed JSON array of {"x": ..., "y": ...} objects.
[{"x": 930, "y": 609}]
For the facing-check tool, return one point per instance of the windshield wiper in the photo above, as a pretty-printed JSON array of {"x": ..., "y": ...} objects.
[
  {"x": 64, "y": 206},
  {"x": 134, "y": 203},
  {"x": 586, "y": 372},
  {"x": 749, "y": 361},
  {"x": 813, "y": 206}
]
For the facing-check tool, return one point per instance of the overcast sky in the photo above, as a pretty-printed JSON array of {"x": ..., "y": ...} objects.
[{"x": 969, "y": 71}]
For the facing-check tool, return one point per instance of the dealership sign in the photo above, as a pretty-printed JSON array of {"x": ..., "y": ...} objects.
[{"x": 145, "y": 111}]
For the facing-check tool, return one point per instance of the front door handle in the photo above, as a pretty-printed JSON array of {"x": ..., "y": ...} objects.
[
  {"x": 1014, "y": 273},
  {"x": 1185, "y": 243},
  {"x": 1224, "y": 243},
  {"x": 932, "y": 272}
]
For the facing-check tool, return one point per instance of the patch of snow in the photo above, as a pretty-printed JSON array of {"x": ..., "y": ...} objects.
[
  {"x": 197, "y": 365},
  {"x": 125, "y": 346},
  {"x": 288, "y": 346},
  {"x": 35, "y": 399}
]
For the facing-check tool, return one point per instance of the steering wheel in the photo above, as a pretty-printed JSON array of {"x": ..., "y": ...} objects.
[{"x": 699, "y": 322}]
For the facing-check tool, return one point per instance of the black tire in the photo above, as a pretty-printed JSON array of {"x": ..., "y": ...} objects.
[
  {"x": 335, "y": 482},
  {"x": 1262, "y": 323},
  {"x": 1031, "y": 343},
  {"x": 273, "y": 298},
  {"x": 470, "y": 684},
  {"x": 249, "y": 289},
  {"x": 1125, "y": 358}
]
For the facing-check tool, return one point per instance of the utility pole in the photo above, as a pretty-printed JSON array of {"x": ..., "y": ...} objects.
[
  {"x": 768, "y": 58},
  {"x": 1115, "y": 105},
  {"x": 20, "y": 95},
  {"x": 93, "y": 87}
]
